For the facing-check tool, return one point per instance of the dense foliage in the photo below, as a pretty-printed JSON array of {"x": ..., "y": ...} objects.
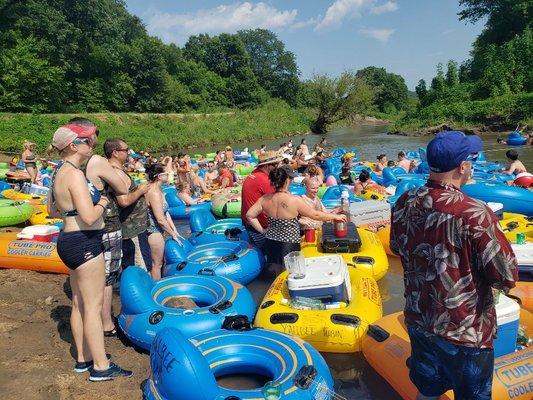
[
  {"x": 495, "y": 86},
  {"x": 92, "y": 55}
]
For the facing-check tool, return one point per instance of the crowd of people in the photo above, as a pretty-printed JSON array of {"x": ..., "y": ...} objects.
[{"x": 111, "y": 222}]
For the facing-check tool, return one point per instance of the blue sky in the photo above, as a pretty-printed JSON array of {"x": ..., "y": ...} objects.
[{"x": 407, "y": 37}]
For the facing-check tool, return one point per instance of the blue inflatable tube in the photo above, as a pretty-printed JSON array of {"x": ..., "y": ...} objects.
[
  {"x": 297, "y": 189},
  {"x": 144, "y": 312},
  {"x": 516, "y": 139},
  {"x": 332, "y": 196},
  {"x": 514, "y": 199},
  {"x": 206, "y": 229},
  {"x": 183, "y": 369},
  {"x": 235, "y": 260},
  {"x": 177, "y": 208}
]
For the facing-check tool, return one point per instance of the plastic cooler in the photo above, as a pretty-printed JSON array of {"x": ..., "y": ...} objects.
[
  {"x": 507, "y": 315},
  {"x": 497, "y": 208},
  {"x": 351, "y": 243},
  {"x": 524, "y": 257},
  {"x": 326, "y": 278},
  {"x": 370, "y": 213},
  {"x": 35, "y": 190},
  {"x": 40, "y": 233}
]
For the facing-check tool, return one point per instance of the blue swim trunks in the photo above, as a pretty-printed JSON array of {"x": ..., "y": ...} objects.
[{"x": 437, "y": 366}]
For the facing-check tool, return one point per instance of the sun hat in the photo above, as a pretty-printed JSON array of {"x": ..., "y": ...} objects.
[
  {"x": 66, "y": 134},
  {"x": 449, "y": 149},
  {"x": 269, "y": 157}
]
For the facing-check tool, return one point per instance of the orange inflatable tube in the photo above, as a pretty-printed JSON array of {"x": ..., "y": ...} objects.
[
  {"x": 524, "y": 291},
  {"x": 513, "y": 373},
  {"x": 29, "y": 254}
]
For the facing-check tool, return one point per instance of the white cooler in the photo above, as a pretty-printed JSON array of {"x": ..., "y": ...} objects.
[
  {"x": 497, "y": 208},
  {"x": 326, "y": 278},
  {"x": 507, "y": 315},
  {"x": 524, "y": 257},
  {"x": 370, "y": 213}
]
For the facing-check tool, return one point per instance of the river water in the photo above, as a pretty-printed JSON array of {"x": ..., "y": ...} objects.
[{"x": 354, "y": 377}]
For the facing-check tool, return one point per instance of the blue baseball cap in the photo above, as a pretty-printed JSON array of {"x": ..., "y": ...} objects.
[{"x": 449, "y": 149}]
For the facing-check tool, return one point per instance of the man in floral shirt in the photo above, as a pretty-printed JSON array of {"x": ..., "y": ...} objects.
[{"x": 453, "y": 253}]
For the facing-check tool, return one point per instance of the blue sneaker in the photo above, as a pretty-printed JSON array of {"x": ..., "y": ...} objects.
[
  {"x": 83, "y": 366},
  {"x": 114, "y": 371}
]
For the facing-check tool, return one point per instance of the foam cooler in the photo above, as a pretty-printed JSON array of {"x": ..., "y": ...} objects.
[
  {"x": 326, "y": 278},
  {"x": 507, "y": 315},
  {"x": 370, "y": 213}
]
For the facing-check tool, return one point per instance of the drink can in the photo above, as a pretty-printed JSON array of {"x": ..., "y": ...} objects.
[
  {"x": 310, "y": 235},
  {"x": 520, "y": 238}
]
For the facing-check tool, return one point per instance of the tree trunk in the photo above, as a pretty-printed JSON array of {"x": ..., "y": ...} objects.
[{"x": 320, "y": 126}]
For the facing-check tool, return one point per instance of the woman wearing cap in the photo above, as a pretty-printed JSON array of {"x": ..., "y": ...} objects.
[
  {"x": 158, "y": 217},
  {"x": 80, "y": 247},
  {"x": 282, "y": 210},
  {"x": 30, "y": 160}
]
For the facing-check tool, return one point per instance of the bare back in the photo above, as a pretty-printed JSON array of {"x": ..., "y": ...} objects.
[{"x": 281, "y": 205}]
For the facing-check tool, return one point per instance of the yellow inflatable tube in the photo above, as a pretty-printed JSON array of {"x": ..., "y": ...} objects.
[
  {"x": 370, "y": 259},
  {"x": 41, "y": 217},
  {"x": 512, "y": 372},
  {"x": 13, "y": 194},
  {"x": 336, "y": 330},
  {"x": 512, "y": 224}
]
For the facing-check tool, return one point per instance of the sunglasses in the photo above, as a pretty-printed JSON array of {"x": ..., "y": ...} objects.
[
  {"x": 126, "y": 149},
  {"x": 88, "y": 141}
]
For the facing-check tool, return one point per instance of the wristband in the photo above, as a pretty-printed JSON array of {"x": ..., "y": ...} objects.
[{"x": 98, "y": 204}]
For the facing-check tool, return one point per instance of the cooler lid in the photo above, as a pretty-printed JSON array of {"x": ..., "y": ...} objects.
[
  {"x": 362, "y": 207},
  {"x": 320, "y": 272},
  {"x": 37, "y": 230},
  {"x": 523, "y": 253},
  {"x": 507, "y": 310}
]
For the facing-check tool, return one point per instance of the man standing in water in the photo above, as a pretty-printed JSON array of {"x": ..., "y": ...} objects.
[{"x": 454, "y": 253}]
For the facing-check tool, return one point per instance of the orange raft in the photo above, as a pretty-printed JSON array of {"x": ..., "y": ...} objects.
[
  {"x": 29, "y": 254},
  {"x": 513, "y": 373}
]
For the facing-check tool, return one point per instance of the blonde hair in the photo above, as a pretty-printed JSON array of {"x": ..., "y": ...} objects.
[{"x": 27, "y": 144}]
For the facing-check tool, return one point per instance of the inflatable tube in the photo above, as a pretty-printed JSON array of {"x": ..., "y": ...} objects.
[
  {"x": 512, "y": 224},
  {"x": 524, "y": 180},
  {"x": 14, "y": 212},
  {"x": 227, "y": 204},
  {"x": 183, "y": 369},
  {"x": 29, "y": 254},
  {"x": 206, "y": 229},
  {"x": 297, "y": 189},
  {"x": 388, "y": 355},
  {"x": 243, "y": 170},
  {"x": 335, "y": 330},
  {"x": 516, "y": 139},
  {"x": 235, "y": 260},
  {"x": 514, "y": 199},
  {"x": 146, "y": 309},
  {"x": 331, "y": 181},
  {"x": 40, "y": 217},
  {"x": 524, "y": 292},
  {"x": 384, "y": 236},
  {"x": 371, "y": 257},
  {"x": 13, "y": 194},
  {"x": 177, "y": 208},
  {"x": 4, "y": 186}
]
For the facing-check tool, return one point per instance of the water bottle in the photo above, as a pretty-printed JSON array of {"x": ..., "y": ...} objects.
[
  {"x": 345, "y": 203},
  {"x": 304, "y": 303}
]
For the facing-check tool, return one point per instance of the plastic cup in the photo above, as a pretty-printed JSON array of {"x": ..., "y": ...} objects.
[
  {"x": 295, "y": 264},
  {"x": 310, "y": 235},
  {"x": 520, "y": 238}
]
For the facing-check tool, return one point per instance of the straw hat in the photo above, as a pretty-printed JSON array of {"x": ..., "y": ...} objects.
[{"x": 269, "y": 157}]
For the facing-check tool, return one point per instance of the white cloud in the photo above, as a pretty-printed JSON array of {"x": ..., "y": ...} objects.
[
  {"x": 381, "y": 35},
  {"x": 341, "y": 9},
  {"x": 224, "y": 18},
  {"x": 389, "y": 6}
]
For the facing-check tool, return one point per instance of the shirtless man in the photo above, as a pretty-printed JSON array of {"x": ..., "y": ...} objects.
[
  {"x": 404, "y": 162},
  {"x": 515, "y": 165}
]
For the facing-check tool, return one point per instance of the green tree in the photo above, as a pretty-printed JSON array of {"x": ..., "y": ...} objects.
[
  {"x": 452, "y": 74},
  {"x": 339, "y": 98},
  {"x": 391, "y": 90},
  {"x": 274, "y": 67},
  {"x": 421, "y": 91}
]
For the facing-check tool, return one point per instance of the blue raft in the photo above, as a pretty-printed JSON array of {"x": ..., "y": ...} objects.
[
  {"x": 145, "y": 310},
  {"x": 177, "y": 208},
  {"x": 514, "y": 199},
  {"x": 206, "y": 228},
  {"x": 183, "y": 369},
  {"x": 236, "y": 260}
]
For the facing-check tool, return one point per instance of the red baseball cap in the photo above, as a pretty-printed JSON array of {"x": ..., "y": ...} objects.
[{"x": 66, "y": 134}]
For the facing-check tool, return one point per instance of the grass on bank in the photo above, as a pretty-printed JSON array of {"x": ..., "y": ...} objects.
[{"x": 163, "y": 132}]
